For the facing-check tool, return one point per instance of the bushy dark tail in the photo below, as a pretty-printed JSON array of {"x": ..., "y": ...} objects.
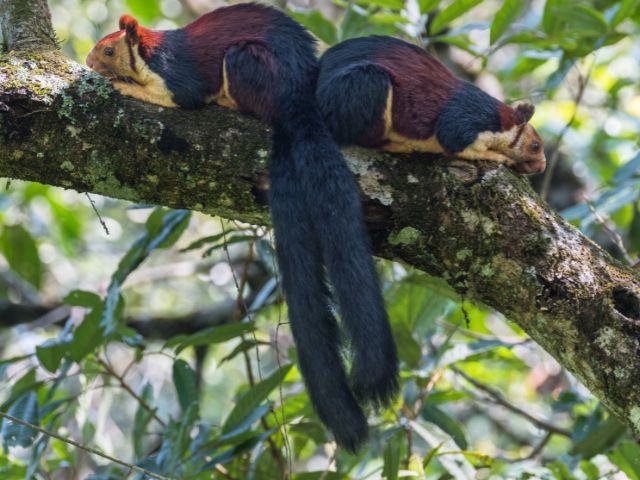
[{"x": 320, "y": 232}]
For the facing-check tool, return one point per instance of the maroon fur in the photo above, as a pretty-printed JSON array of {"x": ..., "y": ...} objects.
[
  {"x": 421, "y": 86},
  {"x": 509, "y": 117},
  {"x": 211, "y": 35}
]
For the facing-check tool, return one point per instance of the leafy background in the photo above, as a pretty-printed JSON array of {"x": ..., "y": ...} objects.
[{"x": 160, "y": 338}]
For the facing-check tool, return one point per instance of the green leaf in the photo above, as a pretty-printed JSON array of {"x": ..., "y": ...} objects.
[
  {"x": 25, "y": 408},
  {"x": 141, "y": 421},
  {"x": 427, "y": 6},
  {"x": 252, "y": 398},
  {"x": 81, "y": 298},
  {"x": 184, "y": 379},
  {"x": 246, "y": 422},
  {"x": 627, "y": 458},
  {"x": 591, "y": 471},
  {"x": 433, "y": 414},
  {"x": 390, "y": 4},
  {"x": 629, "y": 170},
  {"x": 51, "y": 353},
  {"x": 21, "y": 252},
  {"x": 158, "y": 234},
  {"x": 155, "y": 224},
  {"x": 322, "y": 28},
  {"x": 505, "y": 16},
  {"x": 201, "y": 242},
  {"x": 230, "y": 241},
  {"x": 210, "y": 335},
  {"x": 393, "y": 452},
  {"x": 453, "y": 11},
  {"x": 88, "y": 336},
  {"x": 148, "y": 11},
  {"x": 25, "y": 384},
  {"x": 464, "y": 350},
  {"x": 600, "y": 439},
  {"x": 625, "y": 9},
  {"x": 242, "y": 347},
  {"x": 430, "y": 455}
]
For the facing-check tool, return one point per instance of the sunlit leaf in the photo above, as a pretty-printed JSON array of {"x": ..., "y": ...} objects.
[
  {"x": 439, "y": 417},
  {"x": 625, "y": 9},
  {"x": 393, "y": 451},
  {"x": 146, "y": 10},
  {"x": 253, "y": 397},
  {"x": 21, "y": 252},
  {"x": 504, "y": 18},
  {"x": 324, "y": 29},
  {"x": 450, "y": 13},
  {"x": 209, "y": 336},
  {"x": 627, "y": 457}
]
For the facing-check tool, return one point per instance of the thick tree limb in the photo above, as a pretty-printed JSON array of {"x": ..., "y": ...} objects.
[
  {"x": 484, "y": 231},
  {"x": 26, "y": 25}
]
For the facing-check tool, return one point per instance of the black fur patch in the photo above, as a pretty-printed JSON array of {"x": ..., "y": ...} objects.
[
  {"x": 469, "y": 112},
  {"x": 353, "y": 99},
  {"x": 173, "y": 61}
]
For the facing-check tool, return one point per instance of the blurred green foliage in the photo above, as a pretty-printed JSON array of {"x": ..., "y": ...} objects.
[{"x": 227, "y": 398}]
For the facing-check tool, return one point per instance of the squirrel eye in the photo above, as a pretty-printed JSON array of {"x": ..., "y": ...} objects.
[
  {"x": 535, "y": 147},
  {"x": 108, "y": 51}
]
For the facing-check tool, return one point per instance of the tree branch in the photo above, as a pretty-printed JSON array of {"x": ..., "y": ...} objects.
[
  {"x": 26, "y": 25},
  {"x": 484, "y": 231}
]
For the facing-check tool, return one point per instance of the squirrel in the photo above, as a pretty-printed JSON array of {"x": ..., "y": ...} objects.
[
  {"x": 385, "y": 93},
  {"x": 255, "y": 59}
]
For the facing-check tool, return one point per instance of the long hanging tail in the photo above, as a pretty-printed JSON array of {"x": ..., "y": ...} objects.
[
  {"x": 313, "y": 325},
  {"x": 318, "y": 223}
]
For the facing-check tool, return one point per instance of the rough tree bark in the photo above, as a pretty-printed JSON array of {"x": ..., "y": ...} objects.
[{"x": 482, "y": 230}]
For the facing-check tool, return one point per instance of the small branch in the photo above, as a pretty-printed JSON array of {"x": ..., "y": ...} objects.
[
  {"x": 548, "y": 174},
  {"x": 111, "y": 372},
  {"x": 610, "y": 231},
  {"x": 26, "y": 25},
  {"x": 499, "y": 399},
  {"x": 90, "y": 450}
]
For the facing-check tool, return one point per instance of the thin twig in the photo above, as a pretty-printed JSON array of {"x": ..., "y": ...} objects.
[
  {"x": 610, "y": 231},
  {"x": 82, "y": 447},
  {"x": 284, "y": 432},
  {"x": 111, "y": 372},
  {"x": 498, "y": 398},
  {"x": 95, "y": 209},
  {"x": 241, "y": 308},
  {"x": 582, "y": 85}
]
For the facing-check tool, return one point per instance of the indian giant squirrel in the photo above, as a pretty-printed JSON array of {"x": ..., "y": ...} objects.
[{"x": 255, "y": 59}]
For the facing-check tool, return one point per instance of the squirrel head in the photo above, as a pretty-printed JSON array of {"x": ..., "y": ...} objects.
[
  {"x": 524, "y": 145},
  {"x": 123, "y": 54}
]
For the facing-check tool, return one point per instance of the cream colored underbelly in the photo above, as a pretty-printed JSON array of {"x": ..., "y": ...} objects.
[{"x": 223, "y": 96}]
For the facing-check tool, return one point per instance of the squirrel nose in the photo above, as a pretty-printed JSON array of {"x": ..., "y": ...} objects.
[{"x": 89, "y": 61}]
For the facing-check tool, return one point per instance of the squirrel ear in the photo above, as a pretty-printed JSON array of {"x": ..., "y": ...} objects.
[
  {"x": 130, "y": 24},
  {"x": 524, "y": 112}
]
